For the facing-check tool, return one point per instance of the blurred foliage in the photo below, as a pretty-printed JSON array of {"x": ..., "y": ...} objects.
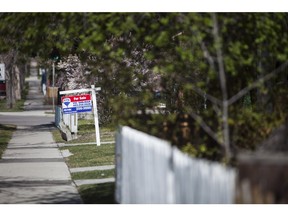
[
  {"x": 250, "y": 128},
  {"x": 135, "y": 57}
]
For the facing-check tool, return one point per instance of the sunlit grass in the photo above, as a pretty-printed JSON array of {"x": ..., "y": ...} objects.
[
  {"x": 90, "y": 155},
  {"x": 96, "y": 174},
  {"x": 6, "y": 132},
  {"x": 86, "y": 134},
  {"x": 19, "y": 106}
]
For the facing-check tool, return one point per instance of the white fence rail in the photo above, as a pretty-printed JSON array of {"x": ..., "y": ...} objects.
[{"x": 149, "y": 170}]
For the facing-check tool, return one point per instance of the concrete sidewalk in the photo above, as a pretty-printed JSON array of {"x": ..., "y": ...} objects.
[{"x": 32, "y": 169}]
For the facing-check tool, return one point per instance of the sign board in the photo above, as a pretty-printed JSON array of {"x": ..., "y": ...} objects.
[
  {"x": 94, "y": 99},
  {"x": 76, "y": 104},
  {"x": 2, "y": 72}
]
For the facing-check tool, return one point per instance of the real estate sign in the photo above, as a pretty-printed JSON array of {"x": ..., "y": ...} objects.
[
  {"x": 82, "y": 104},
  {"x": 76, "y": 104}
]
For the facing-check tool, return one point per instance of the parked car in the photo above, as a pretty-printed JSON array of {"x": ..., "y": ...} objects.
[{"x": 2, "y": 88}]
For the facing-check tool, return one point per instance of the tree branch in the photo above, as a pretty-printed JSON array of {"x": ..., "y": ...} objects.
[
  {"x": 205, "y": 127},
  {"x": 216, "y": 109},
  {"x": 207, "y": 55},
  {"x": 223, "y": 84},
  {"x": 208, "y": 96},
  {"x": 211, "y": 62}
]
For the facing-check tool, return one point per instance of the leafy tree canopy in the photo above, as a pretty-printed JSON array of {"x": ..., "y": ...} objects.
[{"x": 134, "y": 55}]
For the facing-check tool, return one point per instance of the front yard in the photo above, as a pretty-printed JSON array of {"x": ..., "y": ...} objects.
[{"x": 90, "y": 156}]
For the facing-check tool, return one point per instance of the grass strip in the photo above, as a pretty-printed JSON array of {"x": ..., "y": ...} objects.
[
  {"x": 86, "y": 132},
  {"x": 6, "y": 132},
  {"x": 19, "y": 106},
  {"x": 90, "y": 155},
  {"x": 98, "y": 193},
  {"x": 96, "y": 174},
  {"x": 57, "y": 135},
  {"x": 86, "y": 136}
]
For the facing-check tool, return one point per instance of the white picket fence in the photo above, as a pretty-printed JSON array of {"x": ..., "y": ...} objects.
[{"x": 151, "y": 171}]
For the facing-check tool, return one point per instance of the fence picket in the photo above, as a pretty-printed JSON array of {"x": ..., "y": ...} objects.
[{"x": 149, "y": 170}]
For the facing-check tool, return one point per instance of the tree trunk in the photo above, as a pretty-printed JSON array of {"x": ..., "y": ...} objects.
[
  {"x": 10, "y": 96},
  {"x": 16, "y": 84},
  {"x": 223, "y": 84},
  {"x": 9, "y": 61}
]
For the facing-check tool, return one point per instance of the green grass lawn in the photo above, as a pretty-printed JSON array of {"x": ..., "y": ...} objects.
[
  {"x": 6, "y": 132},
  {"x": 90, "y": 155},
  {"x": 97, "y": 174},
  {"x": 19, "y": 106},
  {"x": 86, "y": 134},
  {"x": 98, "y": 194}
]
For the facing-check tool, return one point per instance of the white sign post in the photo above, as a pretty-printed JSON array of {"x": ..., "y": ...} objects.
[
  {"x": 95, "y": 111},
  {"x": 2, "y": 72}
]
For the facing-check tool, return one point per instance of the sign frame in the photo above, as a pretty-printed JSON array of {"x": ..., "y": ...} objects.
[{"x": 94, "y": 102}]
